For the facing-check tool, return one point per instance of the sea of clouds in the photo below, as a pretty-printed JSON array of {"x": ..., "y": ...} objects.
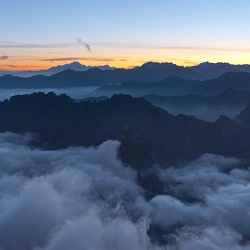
[{"x": 85, "y": 198}]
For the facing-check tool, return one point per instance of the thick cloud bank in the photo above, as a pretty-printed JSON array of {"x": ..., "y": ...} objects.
[{"x": 84, "y": 198}]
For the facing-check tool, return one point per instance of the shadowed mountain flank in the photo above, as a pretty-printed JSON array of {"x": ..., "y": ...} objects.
[
  {"x": 148, "y": 135},
  {"x": 209, "y": 108}
]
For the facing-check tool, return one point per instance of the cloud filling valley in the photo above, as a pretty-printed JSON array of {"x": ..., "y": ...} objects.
[{"x": 85, "y": 198}]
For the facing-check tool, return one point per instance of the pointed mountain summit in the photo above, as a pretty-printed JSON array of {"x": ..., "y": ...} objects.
[{"x": 76, "y": 66}]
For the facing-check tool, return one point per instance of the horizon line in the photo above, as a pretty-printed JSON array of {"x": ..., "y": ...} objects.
[{"x": 13, "y": 67}]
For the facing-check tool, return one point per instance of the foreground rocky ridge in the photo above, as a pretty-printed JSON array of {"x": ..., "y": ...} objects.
[{"x": 148, "y": 135}]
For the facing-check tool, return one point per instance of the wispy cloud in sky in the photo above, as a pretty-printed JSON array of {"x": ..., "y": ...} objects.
[
  {"x": 76, "y": 49},
  {"x": 87, "y": 46},
  {"x": 11, "y": 44},
  {"x": 200, "y": 48},
  {"x": 75, "y": 58},
  {"x": 17, "y": 45},
  {"x": 168, "y": 47},
  {"x": 11, "y": 65},
  {"x": 4, "y": 57}
]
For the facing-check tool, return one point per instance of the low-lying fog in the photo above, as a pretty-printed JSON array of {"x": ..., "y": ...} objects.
[
  {"x": 85, "y": 198},
  {"x": 208, "y": 113},
  {"x": 75, "y": 93}
]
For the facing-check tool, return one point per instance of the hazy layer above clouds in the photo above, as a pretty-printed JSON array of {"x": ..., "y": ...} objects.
[
  {"x": 74, "y": 93},
  {"x": 84, "y": 198}
]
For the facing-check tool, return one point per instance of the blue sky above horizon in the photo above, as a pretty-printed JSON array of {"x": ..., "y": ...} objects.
[{"x": 42, "y": 34}]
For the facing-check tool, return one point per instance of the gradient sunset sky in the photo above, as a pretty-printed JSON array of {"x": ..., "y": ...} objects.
[{"x": 37, "y": 35}]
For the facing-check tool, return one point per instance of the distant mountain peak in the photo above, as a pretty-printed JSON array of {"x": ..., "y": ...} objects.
[
  {"x": 76, "y": 66},
  {"x": 151, "y": 64},
  {"x": 207, "y": 70},
  {"x": 207, "y": 63},
  {"x": 148, "y": 72},
  {"x": 75, "y": 63}
]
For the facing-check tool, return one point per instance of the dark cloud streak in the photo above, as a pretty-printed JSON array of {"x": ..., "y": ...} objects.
[
  {"x": 4, "y": 57},
  {"x": 10, "y": 44},
  {"x": 76, "y": 58},
  {"x": 7, "y": 44},
  {"x": 11, "y": 65},
  {"x": 87, "y": 46}
]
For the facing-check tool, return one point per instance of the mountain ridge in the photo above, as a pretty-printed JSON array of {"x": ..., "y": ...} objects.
[
  {"x": 76, "y": 66},
  {"x": 148, "y": 135},
  {"x": 202, "y": 71},
  {"x": 177, "y": 86},
  {"x": 96, "y": 77},
  {"x": 208, "y": 71}
]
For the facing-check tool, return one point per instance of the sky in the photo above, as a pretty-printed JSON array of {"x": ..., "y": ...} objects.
[{"x": 38, "y": 35}]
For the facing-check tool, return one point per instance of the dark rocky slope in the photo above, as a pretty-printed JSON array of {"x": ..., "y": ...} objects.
[{"x": 149, "y": 135}]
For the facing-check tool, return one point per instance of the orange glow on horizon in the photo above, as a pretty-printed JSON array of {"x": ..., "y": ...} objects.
[{"x": 129, "y": 61}]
